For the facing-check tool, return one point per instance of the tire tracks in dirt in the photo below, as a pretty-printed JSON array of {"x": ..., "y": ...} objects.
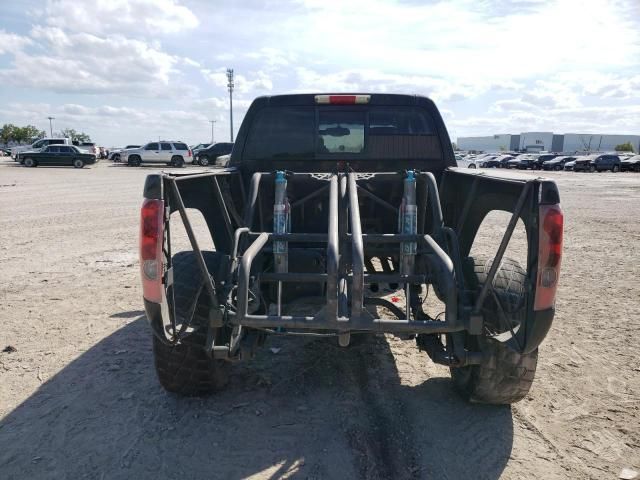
[{"x": 379, "y": 432}]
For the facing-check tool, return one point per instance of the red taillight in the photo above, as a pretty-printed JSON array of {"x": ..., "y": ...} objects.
[
  {"x": 189, "y": 153},
  {"x": 549, "y": 255},
  {"x": 151, "y": 240},
  {"x": 343, "y": 99}
]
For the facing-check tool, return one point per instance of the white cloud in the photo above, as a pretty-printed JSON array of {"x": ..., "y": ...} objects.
[
  {"x": 256, "y": 82},
  {"x": 370, "y": 80},
  {"x": 85, "y": 63},
  {"x": 491, "y": 66},
  {"x": 12, "y": 43},
  {"x": 470, "y": 39},
  {"x": 129, "y": 17},
  {"x": 272, "y": 57}
]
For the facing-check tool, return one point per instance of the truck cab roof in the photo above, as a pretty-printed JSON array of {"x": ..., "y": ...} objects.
[{"x": 324, "y": 132}]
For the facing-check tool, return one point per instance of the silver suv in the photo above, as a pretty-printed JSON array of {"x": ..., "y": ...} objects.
[{"x": 168, "y": 152}]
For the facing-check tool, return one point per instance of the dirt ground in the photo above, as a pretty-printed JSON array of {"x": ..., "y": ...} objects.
[{"x": 79, "y": 397}]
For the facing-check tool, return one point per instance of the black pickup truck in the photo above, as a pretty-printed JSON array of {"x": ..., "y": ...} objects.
[{"x": 329, "y": 200}]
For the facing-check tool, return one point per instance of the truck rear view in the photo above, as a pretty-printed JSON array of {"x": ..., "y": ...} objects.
[{"x": 340, "y": 202}]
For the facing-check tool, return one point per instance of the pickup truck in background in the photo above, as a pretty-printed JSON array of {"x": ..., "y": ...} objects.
[
  {"x": 329, "y": 200},
  {"x": 38, "y": 144}
]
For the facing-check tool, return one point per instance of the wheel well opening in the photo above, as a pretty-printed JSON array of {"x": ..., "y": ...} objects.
[
  {"x": 490, "y": 233},
  {"x": 179, "y": 238}
]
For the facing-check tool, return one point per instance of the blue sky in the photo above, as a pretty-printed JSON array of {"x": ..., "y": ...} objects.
[{"x": 128, "y": 71}]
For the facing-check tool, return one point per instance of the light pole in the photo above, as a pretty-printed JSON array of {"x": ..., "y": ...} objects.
[
  {"x": 212, "y": 122},
  {"x": 230, "y": 87},
  {"x": 51, "y": 124}
]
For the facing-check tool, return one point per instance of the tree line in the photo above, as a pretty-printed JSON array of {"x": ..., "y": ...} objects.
[{"x": 12, "y": 133}]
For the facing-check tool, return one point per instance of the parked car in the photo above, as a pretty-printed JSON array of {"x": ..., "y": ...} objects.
[
  {"x": 598, "y": 163},
  {"x": 539, "y": 163},
  {"x": 88, "y": 147},
  {"x": 38, "y": 144},
  {"x": 208, "y": 155},
  {"x": 200, "y": 146},
  {"x": 630, "y": 164},
  {"x": 466, "y": 162},
  {"x": 557, "y": 163},
  {"x": 57, "y": 155},
  {"x": 484, "y": 162},
  {"x": 514, "y": 162},
  {"x": 168, "y": 152},
  {"x": 223, "y": 160},
  {"x": 568, "y": 166},
  {"x": 497, "y": 162},
  {"x": 528, "y": 162},
  {"x": 116, "y": 152}
]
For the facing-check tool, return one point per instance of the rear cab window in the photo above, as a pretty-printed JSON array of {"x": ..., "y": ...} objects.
[
  {"x": 166, "y": 146},
  {"x": 181, "y": 146},
  {"x": 340, "y": 132},
  {"x": 373, "y": 132},
  {"x": 152, "y": 146}
]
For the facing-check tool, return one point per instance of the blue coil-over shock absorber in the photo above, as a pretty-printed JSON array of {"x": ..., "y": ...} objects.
[
  {"x": 281, "y": 224},
  {"x": 408, "y": 224}
]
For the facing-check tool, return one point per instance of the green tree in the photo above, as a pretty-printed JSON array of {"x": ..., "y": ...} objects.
[
  {"x": 11, "y": 133},
  {"x": 30, "y": 132},
  {"x": 73, "y": 135},
  {"x": 7, "y": 132},
  {"x": 625, "y": 147}
]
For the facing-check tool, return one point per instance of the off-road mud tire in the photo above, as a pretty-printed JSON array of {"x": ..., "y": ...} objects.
[
  {"x": 185, "y": 368},
  {"x": 504, "y": 376}
]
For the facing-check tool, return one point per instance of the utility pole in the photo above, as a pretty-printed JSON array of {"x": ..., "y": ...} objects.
[
  {"x": 212, "y": 122},
  {"x": 51, "y": 125},
  {"x": 230, "y": 87}
]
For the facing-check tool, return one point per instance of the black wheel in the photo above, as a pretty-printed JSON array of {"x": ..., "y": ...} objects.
[
  {"x": 116, "y": 157},
  {"x": 29, "y": 162},
  {"x": 177, "y": 161},
  {"x": 592, "y": 168},
  {"x": 504, "y": 376},
  {"x": 203, "y": 160},
  {"x": 472, "y": 165},
  {"x": 134, "y": 161},
  {"x": 615, "y": 169},
  {"x": 186, "y": 368},
  {"x": 558, "y": 168},
  {"x": 78, "y": 163}
]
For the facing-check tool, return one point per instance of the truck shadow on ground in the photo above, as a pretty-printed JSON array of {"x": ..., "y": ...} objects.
[{"x": 303, "y": 407}]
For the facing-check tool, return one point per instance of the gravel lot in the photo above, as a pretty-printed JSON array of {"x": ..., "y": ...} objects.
[{"x": 79, "y": 397}]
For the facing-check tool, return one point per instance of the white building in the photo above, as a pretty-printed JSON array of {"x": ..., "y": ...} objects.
[
  {"x": 536, "y": 141},
  {"x": 578, "y": 142},
  {"x": 492, "y": 143},
  {"x": 548, "y": 142}
]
